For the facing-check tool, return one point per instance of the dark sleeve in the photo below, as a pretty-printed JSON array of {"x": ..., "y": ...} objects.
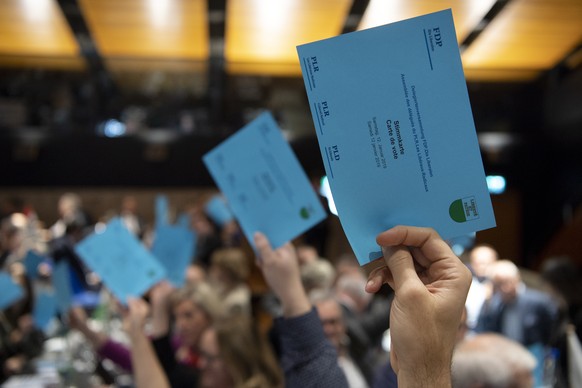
[
  {"x": 308, "y": 359},
  {"x": 165, "y": 353},
  {"x": 116, "y": 352},
  {"x": 385, "y": 377},
  {"x": 179, "y": 375},
  {"x": 489, "y": 316}
]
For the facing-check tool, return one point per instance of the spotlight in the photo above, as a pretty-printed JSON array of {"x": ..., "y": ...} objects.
[
  {"x": 495, "y": 184},
  {"x": 113, "y": 128}
]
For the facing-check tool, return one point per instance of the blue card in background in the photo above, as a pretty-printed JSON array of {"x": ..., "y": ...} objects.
[
  {"x": 266, "y": 188},
  {"x": 218, "y": 210},
  {"x": 61, "y": 276},
  {"x": 31, "y": 262},
  {"x": 45, "y": 308},
  {"x": 10, "y": 291},
  {"x": 396, "y": 132},
  {"x": 184, "y": 221},
  {"x": 162, "y": 210},
  {"x": 174, "y": 248},
  {"x": 126, "y": 267}
]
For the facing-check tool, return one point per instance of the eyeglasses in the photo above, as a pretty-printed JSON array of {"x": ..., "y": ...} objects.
[
  {"x": 209, "y": 357},
  {"x": 331, "y": 321}
]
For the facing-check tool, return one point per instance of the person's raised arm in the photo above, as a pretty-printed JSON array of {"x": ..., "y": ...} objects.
[
  {"x": 280, "y": 269},
  {"x": 307, "y": 357},
  {"x": 78, "y": 320},
  {"x": 160, "y": 300},
  {"x": 147, "y": 370},
  {"x": 430, "y": 285}
]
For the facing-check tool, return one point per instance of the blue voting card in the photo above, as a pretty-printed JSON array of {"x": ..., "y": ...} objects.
[
  {"x": 396, "y": 132},
  {"x": 126, "y": 267},
  {"x": 10, "y": 291},
  {"x": 162, "y": 210},
  {"x": 265, "y": 186},
  {"x": 174, "y": 248},
  {"x": 184, "y": 221},
  {"x": 31, "y": 262},
  {"x": 45, "y": 308},
  {"x": 61, "y": 277},
  {"x": 218, "y": 210}
]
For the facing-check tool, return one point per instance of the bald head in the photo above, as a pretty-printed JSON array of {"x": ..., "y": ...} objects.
[
  {"x": 492, "y": 360},
  {"x": 481, "y": 257}
]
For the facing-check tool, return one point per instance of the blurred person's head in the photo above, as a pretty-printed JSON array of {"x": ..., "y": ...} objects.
[
  {"x": 129, "y": 204},
  {"x": 350, "y": 289},
  {"x": 317, "y": 275},
  {"x": 195, "y": 274},
  {"x": 306, "y": 254},
  {"x": 69, "y": 204},
  {"x": 235, "y": 355},
  {"x": 506, "y": 279},
  {"x": 194, "y": 308},
  {"x": 481, "y": 257},
  {"x": 346, "y": 264},
  {"x": 492, "y": 360},
  {"x": 331, "y": 317},
  {"x": 228, "y": 267},
  {"x": 12, "y": 232},
  {"x": 200, "y": 222}
]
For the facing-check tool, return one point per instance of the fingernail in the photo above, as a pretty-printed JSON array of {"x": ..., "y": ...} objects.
[{"x": 371, "y": 283}]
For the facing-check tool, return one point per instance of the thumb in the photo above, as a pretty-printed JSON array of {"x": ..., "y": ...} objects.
[{"x": 263, "y": 245}]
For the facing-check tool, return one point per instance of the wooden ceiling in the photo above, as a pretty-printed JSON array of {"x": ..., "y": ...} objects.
[{"x": 513, "y": 40}]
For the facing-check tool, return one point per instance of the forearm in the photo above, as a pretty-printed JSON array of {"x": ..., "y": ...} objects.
[
  {"x": 147, "y": 370},
  {"x": 95, "y": 338},
  {"x": 294, "y": 301},
  {"x": 160, "y": 321}
]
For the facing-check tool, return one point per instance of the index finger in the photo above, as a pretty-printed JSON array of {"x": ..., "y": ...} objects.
[
  {"x": 411, "y": 236},
  {"x": 425, "y": 243}
]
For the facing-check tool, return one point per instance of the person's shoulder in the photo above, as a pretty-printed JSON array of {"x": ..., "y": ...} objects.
[{"x": 537, "y": 297}]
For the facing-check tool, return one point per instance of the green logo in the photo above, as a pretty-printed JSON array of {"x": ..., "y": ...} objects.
[
  {"x": 304, "y": 213},
  {"x": 464, "y": 209}
]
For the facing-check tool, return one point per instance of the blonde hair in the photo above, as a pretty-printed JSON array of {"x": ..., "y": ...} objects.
[
  {"x": 233, "y": 261},
  {"x": 203, "y": 296},
  {"x": 247, "y": 354},
  {"x": 318, "y": 274}
]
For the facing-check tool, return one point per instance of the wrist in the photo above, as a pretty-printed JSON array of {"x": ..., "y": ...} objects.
[
  {"x": 295, "y": 304},
  {"x": 429, "y": 376},
  {"x": 136, "y": 333},
  {"x": 416, "y": 380}
]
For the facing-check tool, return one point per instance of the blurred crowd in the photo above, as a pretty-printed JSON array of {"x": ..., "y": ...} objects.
[{"x": 238, "y": 322}]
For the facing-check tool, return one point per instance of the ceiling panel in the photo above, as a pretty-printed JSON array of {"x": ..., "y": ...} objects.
[
  {"x": 524, "y": 39},
  {"x": 466, "y": 13},
  {"x": 149, "y": 28},
  {"x": 266, "y": 32},
  {"x": 527, "y": 35},
  {"x": 35, "y": 28}
]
